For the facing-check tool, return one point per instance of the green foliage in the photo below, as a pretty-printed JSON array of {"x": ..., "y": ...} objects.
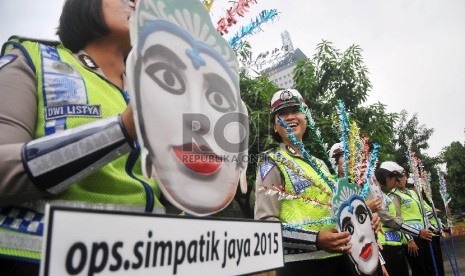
[
  {"x": 411, "y": 129},
  {"x": 377, "y": 124},
  {"x": 454, "y": 156},
  {"x": 330, "y": 76},
  {"x": 256, "y": 94},
  {"x": 337, "y": 76}
]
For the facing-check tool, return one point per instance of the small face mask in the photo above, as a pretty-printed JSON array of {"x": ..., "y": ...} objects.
[
  {"x": 353, "y": 216},
  {"x": 356, "y": 219}
]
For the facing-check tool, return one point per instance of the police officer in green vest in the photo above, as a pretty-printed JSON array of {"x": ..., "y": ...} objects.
[
  {"x": 290, "y": 190},
  {"x": 67, "y": 134},
  {"x": 394, "y": 226},
  {"x": 436, "y": 227},
  {"x": 415, "y": 214}
]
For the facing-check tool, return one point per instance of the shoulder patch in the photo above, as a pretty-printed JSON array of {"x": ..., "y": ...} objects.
[
  {"x": 6, "y": 59},
  {"x": 265, "y": 168}
]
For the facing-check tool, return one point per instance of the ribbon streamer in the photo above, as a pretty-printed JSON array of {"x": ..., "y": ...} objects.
[
  {"x": 446, "y": 198},
  {"x": 306, "y": 155},
  {"x": 359, "y": 163},
  {"x": 264, "y": 16},
  {"x": 344, "y": 127},
  {"x": 311, "y": 126},
  {"x": 240, "y": 8}
]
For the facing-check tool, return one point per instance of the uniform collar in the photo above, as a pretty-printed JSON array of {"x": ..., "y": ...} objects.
[
  {"x": 86, "y": 61},
  {"x": 289, "y": 150}
]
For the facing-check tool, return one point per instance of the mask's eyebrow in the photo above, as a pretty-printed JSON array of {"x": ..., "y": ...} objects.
[
  {"x": 160, "y": 51},
  {"x": 360, "y": 210}
]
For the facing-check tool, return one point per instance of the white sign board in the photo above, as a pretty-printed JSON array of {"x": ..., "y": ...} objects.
[{"x": 89, "y": 242}]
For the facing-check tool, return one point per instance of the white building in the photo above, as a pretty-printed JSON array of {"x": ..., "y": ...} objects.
[{"x": 281, "y": 62}]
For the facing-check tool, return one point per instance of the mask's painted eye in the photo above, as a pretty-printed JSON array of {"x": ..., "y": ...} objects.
[
  {"x": 361, "y": 213},
  {"x": 219, "y": 93},
  {"x": 218, "y": 101},
  {"x": 347, "y": 225},
  {"x": 166, "y": 77},
  {"x": 350, "y": 228}
]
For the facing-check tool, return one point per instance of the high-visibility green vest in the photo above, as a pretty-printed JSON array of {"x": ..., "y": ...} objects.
[
  {"x": 296, "y": 211},
  {"x": 432, "y": 220},
  {"x": 112, "y": 183},
  {"x": 390, "y": 236},
  {"x": 410, "y": 209}
]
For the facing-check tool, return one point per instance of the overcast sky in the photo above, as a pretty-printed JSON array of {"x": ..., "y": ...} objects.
[{"x": 413, "y": 49}]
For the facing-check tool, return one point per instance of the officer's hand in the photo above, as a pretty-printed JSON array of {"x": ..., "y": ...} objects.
[
  {"x": 375, "y": 223},
  {"x": 426, "y": 234},
  {"x": 412, "y": 248},
  {"x": 128, "y": 122},
  {"x": 374, "y": 204},
  {"x": 332, "y": 241}
]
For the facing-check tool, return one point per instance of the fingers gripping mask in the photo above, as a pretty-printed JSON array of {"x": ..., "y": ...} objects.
[
  {"x": 375, "y": 190},
  {"x": 191, "y": 122},
  {"x": 352, "y": 215}
]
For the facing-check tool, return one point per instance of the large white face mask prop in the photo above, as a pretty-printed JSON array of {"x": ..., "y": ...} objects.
[
  {"x": 353, "y": 215},
  {"x": 191, "y": 122}
]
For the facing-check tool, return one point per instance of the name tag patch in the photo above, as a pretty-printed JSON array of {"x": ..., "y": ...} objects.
[
  {"x": 77, "y": 110},
  {"x": 6, "y": 59}
]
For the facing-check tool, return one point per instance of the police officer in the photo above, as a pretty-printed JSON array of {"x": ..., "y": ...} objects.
[
  {"x": 436, "y": 227},
  {"x": 419, "y": 251},
  {"x": 337, "y": 161},
  {"x": 388, "y": 175},
  {"x": 290, "y": 190},
  {"x": 66, "y": 132}
]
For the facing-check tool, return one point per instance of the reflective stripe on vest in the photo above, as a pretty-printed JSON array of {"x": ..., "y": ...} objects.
[
  {"x": 63, "y": 87},
  {"x": 432, "y": 220},
  {"x": 15, "y": 240}
]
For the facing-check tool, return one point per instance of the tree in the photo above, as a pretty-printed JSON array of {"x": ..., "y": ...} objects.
[
  {"x": 333, "y": 76},
  {"x": 411, "y": 129},
  {"x": 330, "y": 76},
  {"x": 379, "y": 125},
  {"x": 256, "y": 94},
  {"x": 454, "y": 156}
]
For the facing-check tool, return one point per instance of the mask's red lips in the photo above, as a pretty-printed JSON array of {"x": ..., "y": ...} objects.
[
  {"x": 198, "y": 159},
  {"x": 366, "y": 251}
]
